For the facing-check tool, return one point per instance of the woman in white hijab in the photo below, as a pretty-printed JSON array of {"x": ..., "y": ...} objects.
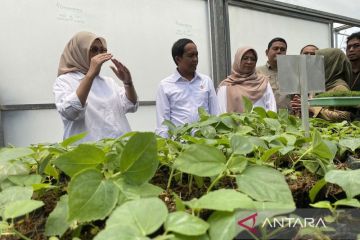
[
  {"x": 87, "y": 101},
  {"x": 244, "y": 81}
]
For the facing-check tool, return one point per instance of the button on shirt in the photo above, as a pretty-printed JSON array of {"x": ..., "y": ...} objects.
[
  {"x": 178, "y": 100},
  {"x": 103, "y": 115}
]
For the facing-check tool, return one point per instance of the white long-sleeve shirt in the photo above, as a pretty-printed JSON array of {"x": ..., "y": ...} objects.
[
  {"x": 267, "y": 101},
  {"x": 103, "y": 115},
  {"x": 178, "y": 100}
]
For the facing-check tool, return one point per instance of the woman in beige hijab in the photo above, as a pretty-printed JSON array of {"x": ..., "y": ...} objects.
[
  {"x": 245, "y": 82},
  {"x": 87, "y": 101}
]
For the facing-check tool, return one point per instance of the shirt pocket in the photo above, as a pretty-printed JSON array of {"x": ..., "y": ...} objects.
[{"x": 202, "y": 98}]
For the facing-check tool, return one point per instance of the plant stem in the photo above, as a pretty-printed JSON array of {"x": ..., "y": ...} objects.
[
  {"x": 170, "y": 178},
  {"x": 253, "y": 235},
  {"x": 21, "y": 235},
  {"x": 190, "y": 183},
  {"x": 306, "y": 152},
  {"x": 214, "y": 182}
]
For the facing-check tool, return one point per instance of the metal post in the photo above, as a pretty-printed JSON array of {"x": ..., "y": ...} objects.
[
  {"x": 219, "y": 39},
  {"x": 304, "y": 95},
  {"x": 2, "y": 140}
]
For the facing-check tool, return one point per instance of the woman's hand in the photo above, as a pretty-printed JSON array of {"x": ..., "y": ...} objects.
[
  {"x": 97, "y": 61},
  {"x": 121, "y": 72}
]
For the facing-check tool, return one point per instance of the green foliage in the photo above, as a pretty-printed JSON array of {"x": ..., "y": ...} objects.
[
  {"x": 233, "y": 163},
  {"x": 135, "y": 220},
  {"x": 254, "y": 182},
  {"x": 222, "y": 200},
  {"x": 349, "y": 181},
  {"x": 83, "y": 157},
  {"x": 139, "y": 160},
  {"x": 186, "y": 224},
  {"x": 201, "y": 160},
  {"x": 339, "y": 94},
  {"x": 90, "y": 196},
  {"x": 57, "y": 222}
]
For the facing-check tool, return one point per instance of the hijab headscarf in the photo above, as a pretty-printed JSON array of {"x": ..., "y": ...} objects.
[
  {"x": 75, "y": 56},
  {"x": 337, "y": 67},
  {"x": 238, "y": 84}
]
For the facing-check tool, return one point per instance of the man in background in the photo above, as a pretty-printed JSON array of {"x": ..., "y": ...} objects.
[
  {"x": 353, "y": 54},
  {"x": 276, "y": 46},
  {"x": 309, "y": 49}
]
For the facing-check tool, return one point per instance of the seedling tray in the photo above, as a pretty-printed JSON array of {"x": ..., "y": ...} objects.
[{"x": 335, "y": 101}]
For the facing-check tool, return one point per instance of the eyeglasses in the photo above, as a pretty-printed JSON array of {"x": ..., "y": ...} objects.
[
  {"x": 97, "y": 50},
  {"x": 246, "y": 58},
  {"x": 354, "y": 46}
]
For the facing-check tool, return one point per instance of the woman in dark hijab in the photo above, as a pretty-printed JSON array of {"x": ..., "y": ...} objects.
[{"x": 337, "y": 74}]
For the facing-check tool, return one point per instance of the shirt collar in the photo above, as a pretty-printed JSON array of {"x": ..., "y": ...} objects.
[
  {"x": 268, "y": 65},
  {"x": 177, "y": 76}
]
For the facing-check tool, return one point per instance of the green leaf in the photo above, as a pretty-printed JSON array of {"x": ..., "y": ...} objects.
[
  {"x": 73, "y": 139},
  {"x": 268, "y": 153},
  {"x": 222, "y": 200},
  {"x": 223, "y": 225},
  {"x": 20, "y": 208},
  {"x": 348, "y": 202},
  {"x": 183, "y": 237},
  {"x": 138, "y": 191},
  {"x": 139, "y": 159},
  {"x": 273, "y": 124},
  {"x": 243, "y": 130},
  {"x": 322, "y": 204},
  {"x": 7, "y": 154},
  {"x": 290, "y": 139},
  {"x": 260, "y": 111},
  {"x": 348, "y": 180},
  {"x": 228, "y": 121},
  {"x": 258, "y": 142},
  {"x": 201, "y": 160},
  {"x": 322, "y": 148},
  {"x": 170, "y": 125},
  {"x": 186, "y": 224},
  {"x": 352, "y": 143},
  {"x": 12, "y": 194},
  {"x": 313, "y": 167},
  {"x": 91, "y": 197},
  {"x": 203, "y": 114},
  {"x": 248, "y": 105},
  {"x": 15, "y": 167},
  {"x": 136, "y": 219},
  {"x": 83, "y": 157},
  {"x": 208, "y": 131},
  {"x": 237, "y": 164},
  {"x": 56, "y": 223},
  {"x": 180, "y": 206},
  {"x": 25, "y": 180},
  {"x": 241, "y": 145},
  {"x": 272, "y": 114},
  {"x": 316, "y": 188},
  {"x": 255, "y": 182}
]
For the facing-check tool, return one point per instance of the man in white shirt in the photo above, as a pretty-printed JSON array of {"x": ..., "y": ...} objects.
[{"x": 181, "y": 94}]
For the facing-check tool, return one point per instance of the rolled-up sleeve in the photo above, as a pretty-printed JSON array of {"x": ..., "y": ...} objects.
[
  {"x": 66, "y": 100},
  {"x": 125, "y": 104}
]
